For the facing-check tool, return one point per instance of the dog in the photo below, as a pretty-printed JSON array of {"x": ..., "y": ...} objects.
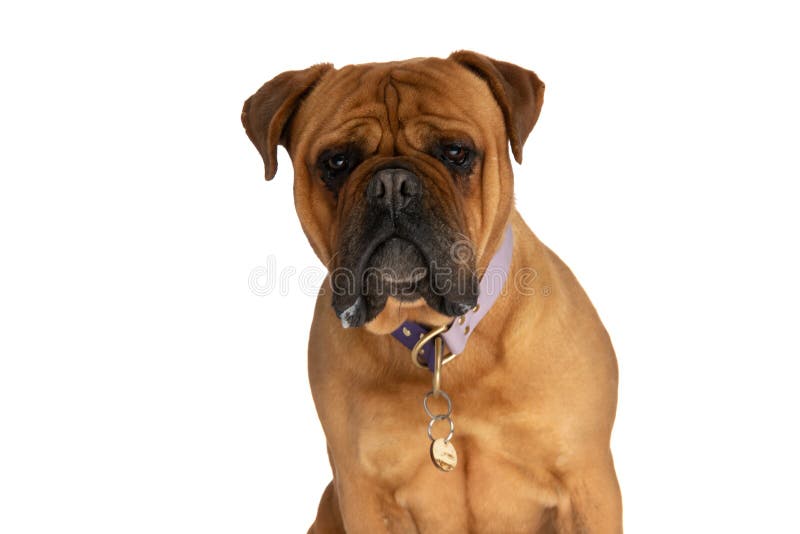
[{"x": 403, "y": 185}]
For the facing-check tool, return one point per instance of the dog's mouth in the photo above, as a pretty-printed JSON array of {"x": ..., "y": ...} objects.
[
  {"x": 396, "y": 268},
  {"x": 407, "y": 271}
]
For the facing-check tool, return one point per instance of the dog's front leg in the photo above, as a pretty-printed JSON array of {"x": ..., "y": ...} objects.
[
  {"x": 360, "y": 509},
  {"x": 594, "y": 504},
  {"x": 329, "y": 517}
]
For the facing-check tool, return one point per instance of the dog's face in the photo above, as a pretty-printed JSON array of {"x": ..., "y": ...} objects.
[{"x": 402, "y": 174}]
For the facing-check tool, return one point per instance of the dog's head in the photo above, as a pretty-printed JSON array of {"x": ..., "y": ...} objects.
[{"x": 402, "y": 177}]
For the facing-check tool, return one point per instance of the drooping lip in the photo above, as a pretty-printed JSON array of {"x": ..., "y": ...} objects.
[
  {"x": 396, "y": 269},
  {"x": 406, "y": 262},
  {"x": 414, "y": 277},
  {"x": 374, "y": 246}
]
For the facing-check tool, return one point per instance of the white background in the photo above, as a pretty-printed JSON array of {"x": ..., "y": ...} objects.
[{"x": 145, "y": 388}]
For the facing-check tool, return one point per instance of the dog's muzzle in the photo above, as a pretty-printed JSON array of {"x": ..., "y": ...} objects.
[{"x": 394, "y": 245}]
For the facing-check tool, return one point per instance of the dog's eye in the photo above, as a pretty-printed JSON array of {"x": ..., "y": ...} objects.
[
  {"x": 337, "y": 162},
  {"x": 456, "y": 154}
]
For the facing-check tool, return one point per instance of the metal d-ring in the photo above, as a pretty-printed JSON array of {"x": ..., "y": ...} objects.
[
  {"x": 437, "y": 365},
  {"x": 415, "y": 352},
  {"x": 422, "y": 342}
]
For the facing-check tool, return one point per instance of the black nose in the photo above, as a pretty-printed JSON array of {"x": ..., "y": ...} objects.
[{"x": 393, "y": 189}]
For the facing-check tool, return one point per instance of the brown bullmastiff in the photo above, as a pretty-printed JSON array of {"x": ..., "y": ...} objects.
[{"x": 404, "y": 188}]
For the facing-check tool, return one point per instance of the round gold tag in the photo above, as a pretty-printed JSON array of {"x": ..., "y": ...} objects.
[{"x": 444, "y": 455}]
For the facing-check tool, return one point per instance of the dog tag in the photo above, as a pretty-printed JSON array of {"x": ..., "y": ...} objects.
[{"x": 444, "y": 455}]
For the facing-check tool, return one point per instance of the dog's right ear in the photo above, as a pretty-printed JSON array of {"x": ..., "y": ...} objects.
[{"x": 266, "y": 115}]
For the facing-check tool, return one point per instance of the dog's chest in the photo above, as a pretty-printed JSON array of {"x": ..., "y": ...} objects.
[{"x": 501, "y": 483}]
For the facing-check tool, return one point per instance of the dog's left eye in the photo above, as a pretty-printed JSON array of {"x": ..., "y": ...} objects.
[{"x": 456, "y": 154}]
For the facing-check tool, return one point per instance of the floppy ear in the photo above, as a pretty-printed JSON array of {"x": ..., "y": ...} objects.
[
  {"x": 519, "y": 92},
  {"x": 266, "y": 115}
]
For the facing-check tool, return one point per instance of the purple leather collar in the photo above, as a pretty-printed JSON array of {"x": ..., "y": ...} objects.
[{"x": 490, "y": 287}]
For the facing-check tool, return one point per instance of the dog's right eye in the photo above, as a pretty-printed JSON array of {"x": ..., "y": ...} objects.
[{"x": 337, "y": 162}]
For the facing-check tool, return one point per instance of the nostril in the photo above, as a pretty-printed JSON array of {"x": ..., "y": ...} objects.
[
  {"x": 376, "y": 188},
  {"x": 407, "y": 187}
]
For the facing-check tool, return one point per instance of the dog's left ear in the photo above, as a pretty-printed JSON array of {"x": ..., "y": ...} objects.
[
  {"x": 519, "y": 92},
  {"x": 266, "y": 115}
]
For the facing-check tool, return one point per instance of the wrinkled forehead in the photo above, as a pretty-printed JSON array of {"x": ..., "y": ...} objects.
[{"x": 409, "y": 101}]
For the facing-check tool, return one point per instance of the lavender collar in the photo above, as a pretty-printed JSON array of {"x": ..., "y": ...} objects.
[{"x": 456, "y": 337}]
